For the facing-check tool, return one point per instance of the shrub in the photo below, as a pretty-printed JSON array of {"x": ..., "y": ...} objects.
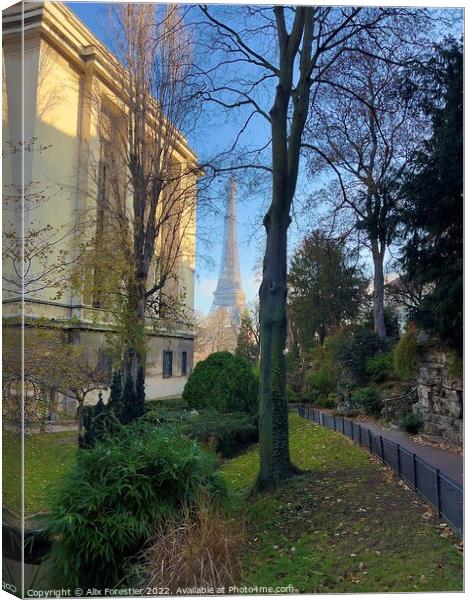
[
  {"x": 222, "y": 382},
  {"x": 202, "y": 548},
  {"x": 368, "y": 398},
  {"x": 170, "y": 404},
  {"x": 392, "y": 326},
  {"x": 163, "y": 417},
  {"x": 411, "y": 423},
  {"x": 228, "y": 434},
  {"x": 356, "y": 352},
  {"x": 99, "y": 421},
  {"x": 323, "y": 381},
  {"x": 380, "y": 367},
  {"x": 455, "y": 365},
  {"x": 406, "y": 354},
  {"x": 119, "y": 491},
  {"x": 292, "y": 396},
  {"x": 329, "y": 401}
]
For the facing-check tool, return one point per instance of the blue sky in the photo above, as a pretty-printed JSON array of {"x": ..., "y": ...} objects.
[
  {"x": 215, "y": 132},
  {"x": 218, "y": 134}
]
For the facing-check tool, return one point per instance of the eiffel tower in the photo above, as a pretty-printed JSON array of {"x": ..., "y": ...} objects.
[{"x": 229, "y": 295}]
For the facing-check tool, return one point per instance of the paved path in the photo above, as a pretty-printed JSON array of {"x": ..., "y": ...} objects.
[{"x": 450, "y": 463}]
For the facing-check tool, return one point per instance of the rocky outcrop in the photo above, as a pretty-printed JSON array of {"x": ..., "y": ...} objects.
[
  {"x": 440, "y": 397},
  {"x": 397, "y": 399}
]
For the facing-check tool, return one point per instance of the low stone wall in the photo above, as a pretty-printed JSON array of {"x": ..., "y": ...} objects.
[{"x": 440, "y": 397}]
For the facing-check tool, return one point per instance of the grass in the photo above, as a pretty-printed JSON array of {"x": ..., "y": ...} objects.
[
  {"x": 347, "y": 525},
  {"x": 47, "y": 457}
]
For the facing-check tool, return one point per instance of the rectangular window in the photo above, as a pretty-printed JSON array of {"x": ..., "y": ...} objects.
[
  {"x": 167, "y": 363},
  {"x": 184, "y": 363}
]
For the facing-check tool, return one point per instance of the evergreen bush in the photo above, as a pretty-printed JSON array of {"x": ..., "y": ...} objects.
[
  {"x": 292, "y": 396},
  {"x": 222, "y": 382},
  {"x": 99, "y": 422},
  {"x": 380, "y": 367},
  {"x": 321, "y": 383},
  {"x": 358, "y": 350},
  {"x": 115, "y": 396},
  {"x": 367, "y": 398},
  {"x": 170, "y": 404},
  {"x": 227, "y": 434},
  {"x": 406, "y": 354},
  {"x": 411, "y": 423},
  {"x": 108, "y": 506}
]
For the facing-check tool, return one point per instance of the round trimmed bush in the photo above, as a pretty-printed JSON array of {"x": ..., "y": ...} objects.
[{"x": 223, "y": 382}]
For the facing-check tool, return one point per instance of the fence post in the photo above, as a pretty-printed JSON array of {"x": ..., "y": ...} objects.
[
  {"x": 370, "y": 440},
  {"x": 438, "y": 490},
  {"x": 382, "y": 449},
  {"x": 360, "y": 434},
  {"x": 398, "y": 460},
  {"x": 334, "y": 423},
  {"x": 322, "y": 420},
  {"x": 414, "y": 472},
  {"x": 342, "y": 422}
]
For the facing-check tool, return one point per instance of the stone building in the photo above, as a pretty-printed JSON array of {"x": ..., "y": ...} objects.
[{"x": 56, "y": 85}]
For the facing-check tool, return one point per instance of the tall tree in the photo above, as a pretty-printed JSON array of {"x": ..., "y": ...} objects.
[
  {"x": 365, "y": 130},
  {"x": 433, "y": 212},
  {"x": 146, "y": 184},
  {"x": 285, "y": 53},
  {"x": 326, "y": 289}
]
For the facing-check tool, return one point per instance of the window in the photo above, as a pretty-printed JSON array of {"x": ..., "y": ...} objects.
[
  {"x": 184, "y": 363},
  {"x": 167, "y": 363}
]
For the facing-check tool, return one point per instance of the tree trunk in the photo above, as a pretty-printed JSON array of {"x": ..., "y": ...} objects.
[
  {"x": 275, "y": 463},
  {"x": 80, "y": 418},
  {"x": 379, "y": 321},
  {"x": 134, "y": 343}
]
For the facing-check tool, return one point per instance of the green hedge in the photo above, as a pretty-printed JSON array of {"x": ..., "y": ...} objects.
[
  {"x": 176, "y": 404},
  {"x": 222, "y": 382},
  {"x": 227, "y": 434}
]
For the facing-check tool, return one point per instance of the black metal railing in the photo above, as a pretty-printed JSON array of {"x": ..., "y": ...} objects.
[{"x": 445, "y": 495}]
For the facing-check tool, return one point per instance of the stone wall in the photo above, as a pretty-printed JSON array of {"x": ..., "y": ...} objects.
[{"x": 440, "y": 397}]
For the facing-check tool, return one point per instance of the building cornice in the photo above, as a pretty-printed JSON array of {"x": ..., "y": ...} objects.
[{"x": 58, "y": 24}]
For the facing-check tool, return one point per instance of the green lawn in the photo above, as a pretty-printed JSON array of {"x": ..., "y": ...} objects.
[
  {"x": 47, "y": 458},
  {"x": 345, "y": 526}
]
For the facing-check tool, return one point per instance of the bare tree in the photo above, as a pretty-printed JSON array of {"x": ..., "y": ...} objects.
[
  {"x": 363, "y": 127},
  {"x": 48, "y": 363},
  {"x": 279, "y": 57},
  {"x": 37, "y": 257},
  {"x": 215, "y": 333},
  {"x": 146, "y": 183}
]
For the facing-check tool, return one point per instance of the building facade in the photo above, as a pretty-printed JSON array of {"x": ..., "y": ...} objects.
[{"x": 57, "y": 84}]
